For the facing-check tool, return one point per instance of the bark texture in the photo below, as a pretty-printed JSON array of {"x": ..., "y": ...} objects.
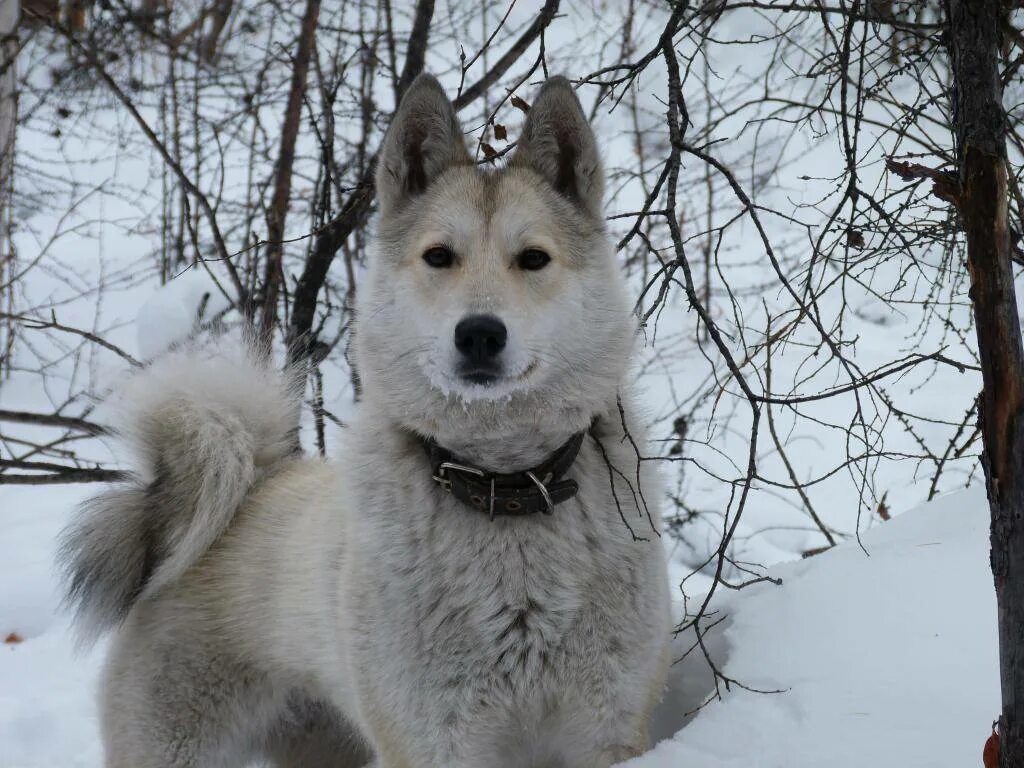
[
  {"x": 278, "y": 211},
  {"x": 356, "y": 209},
  {"x": 980, "y": 124},
  {"x": 9, "y": 15}
]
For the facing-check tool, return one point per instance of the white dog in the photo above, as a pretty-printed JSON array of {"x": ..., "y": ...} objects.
[{"x": 478, "y": 582}]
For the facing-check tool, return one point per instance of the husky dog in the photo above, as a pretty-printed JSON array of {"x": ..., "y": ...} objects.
[{"x": 478, "y": 582}]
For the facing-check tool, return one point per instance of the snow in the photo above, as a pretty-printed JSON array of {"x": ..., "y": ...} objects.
[
  {"x": 172, "y": 311},
  {"x": 884, "y": 657},
  {"x": 47, "y": 689}
]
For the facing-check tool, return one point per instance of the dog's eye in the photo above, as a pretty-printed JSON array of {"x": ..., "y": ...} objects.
[
  {"x": 533, "y": 259},
  {"x": 439, "y": 257}
]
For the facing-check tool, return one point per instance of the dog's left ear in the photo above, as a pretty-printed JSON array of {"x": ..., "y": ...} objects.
[
  {"x": 557, "y": 143},
  {"x": 423, "y": 140}
]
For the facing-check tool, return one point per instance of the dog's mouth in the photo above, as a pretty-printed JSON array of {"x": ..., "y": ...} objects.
[
  {"x": 487, "y": 376},
  {"x": 480, "y": 376}
]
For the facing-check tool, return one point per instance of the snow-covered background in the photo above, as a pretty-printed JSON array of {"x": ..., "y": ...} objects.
[{"x": 882, "y": 650}]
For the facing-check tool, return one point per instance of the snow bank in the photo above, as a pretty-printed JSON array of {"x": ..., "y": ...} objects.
[
  {"x": 174, "y": 311},
  {"x": 886, "y": 659}
]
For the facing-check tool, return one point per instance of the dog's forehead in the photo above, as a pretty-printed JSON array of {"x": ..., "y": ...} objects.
[
  {"x": 486, "y": 196},
  {"x": 507, "y": 204}
]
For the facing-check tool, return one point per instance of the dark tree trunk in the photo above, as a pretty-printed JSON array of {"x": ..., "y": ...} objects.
[
  {"x": 329, "y": 240},
  {"x": 10, "y": 13},
  {"x": 278, "y": 210},
  {"x": 980, "y": 124}
]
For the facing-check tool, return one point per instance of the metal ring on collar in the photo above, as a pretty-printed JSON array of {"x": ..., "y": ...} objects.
[{"x": 543, "y": 492}]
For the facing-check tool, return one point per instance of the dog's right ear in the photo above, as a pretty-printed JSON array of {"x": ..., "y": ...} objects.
[{"x": 423, "y": 141}]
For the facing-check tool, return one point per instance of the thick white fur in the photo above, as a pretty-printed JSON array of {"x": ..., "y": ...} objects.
[
  {"x": 203, "y": 425},
  {"x": 216, "y": 419},
  {"x": 332, "y": 613}
]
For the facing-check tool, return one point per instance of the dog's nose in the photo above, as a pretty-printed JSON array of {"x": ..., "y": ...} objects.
[{"x": 480, "y": 338}]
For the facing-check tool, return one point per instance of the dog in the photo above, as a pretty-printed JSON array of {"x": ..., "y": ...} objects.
[{"x": 478, "y": 580}]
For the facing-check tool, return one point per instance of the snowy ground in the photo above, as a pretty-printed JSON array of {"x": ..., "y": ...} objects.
[{"x": 884, "y": 658}]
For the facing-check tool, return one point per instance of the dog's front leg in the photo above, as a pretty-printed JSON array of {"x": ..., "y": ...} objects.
[
  {"x": 392, "y": 746},
  {"x": 381, "y": 762}
]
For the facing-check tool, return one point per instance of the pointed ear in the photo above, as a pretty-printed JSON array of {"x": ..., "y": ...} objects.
[
  {"x": 558, "y": 144},
  {"x": 424, "y": 140}
]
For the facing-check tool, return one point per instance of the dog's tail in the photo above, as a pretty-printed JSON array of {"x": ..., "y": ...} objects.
[{"x": 205, "y": 426}]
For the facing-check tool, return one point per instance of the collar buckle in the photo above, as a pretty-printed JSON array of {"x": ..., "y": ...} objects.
[{"x": 442, "y": 479}]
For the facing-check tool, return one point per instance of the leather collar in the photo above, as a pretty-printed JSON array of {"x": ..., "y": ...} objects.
[{"x": 514, "y": 494}]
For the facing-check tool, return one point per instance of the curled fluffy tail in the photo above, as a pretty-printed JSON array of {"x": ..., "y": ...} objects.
[{"x": 205, "y": 426}]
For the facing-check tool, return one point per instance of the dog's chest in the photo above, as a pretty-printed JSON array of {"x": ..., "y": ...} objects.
[
  {"x": 497, "y": 634},
  {"x": 504, "y": 594},
  {"x": 481, "y": 604},
  {"x": 506, "y": 597}
]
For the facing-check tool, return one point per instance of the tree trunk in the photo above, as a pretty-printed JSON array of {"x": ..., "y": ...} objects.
[
  {"x": 278, "y": 210},
  {"x": 9, "y": 14},
  {"x": 980, "y": 123}
]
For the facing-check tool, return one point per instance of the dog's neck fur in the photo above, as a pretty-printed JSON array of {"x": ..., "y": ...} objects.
[
  {"x": 514, "y": 451},
  {"x": 495, "y": 438}
]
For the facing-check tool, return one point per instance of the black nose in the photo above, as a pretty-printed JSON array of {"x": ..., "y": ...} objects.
[{"x": 480, "y": 338}]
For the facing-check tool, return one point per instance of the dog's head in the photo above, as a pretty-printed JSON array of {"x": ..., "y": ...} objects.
[{"x": 491, "y": 295}]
